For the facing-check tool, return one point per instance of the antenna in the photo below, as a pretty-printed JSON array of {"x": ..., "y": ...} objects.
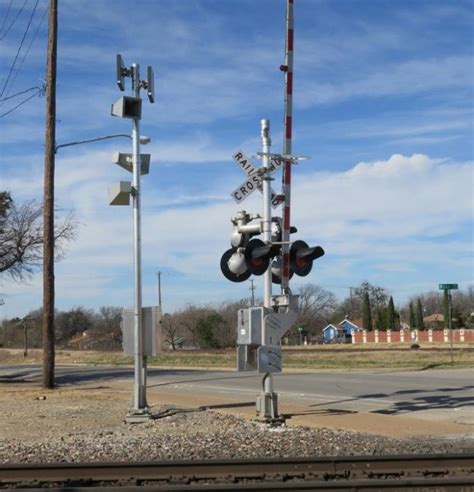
[
  {"x": 150, "y": 85},
  {"x": 120, "y": 73}
]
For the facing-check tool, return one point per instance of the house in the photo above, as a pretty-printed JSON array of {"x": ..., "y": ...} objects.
[
  {"x": 332, "y": 331},
  {"x": 351, "y": 326},
  {"x": 341, "y": 330},
  {"x": 434, "y": 321}
]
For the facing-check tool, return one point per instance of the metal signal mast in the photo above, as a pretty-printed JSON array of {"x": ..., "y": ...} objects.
[{"x": 275, "y": 256}]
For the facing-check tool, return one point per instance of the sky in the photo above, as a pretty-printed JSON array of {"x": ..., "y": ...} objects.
[{"x": 383, "y": 104}]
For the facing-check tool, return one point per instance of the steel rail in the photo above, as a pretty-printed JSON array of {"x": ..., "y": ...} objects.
[
  {"x": 389, "y": 485},
  {"x": 335, "y": 473}
]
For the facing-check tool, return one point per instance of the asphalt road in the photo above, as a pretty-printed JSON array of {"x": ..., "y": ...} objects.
[{"x": 431, "y": 394}]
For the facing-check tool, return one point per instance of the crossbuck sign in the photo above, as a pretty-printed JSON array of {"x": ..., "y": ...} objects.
[{"x": 254, "y": 180}]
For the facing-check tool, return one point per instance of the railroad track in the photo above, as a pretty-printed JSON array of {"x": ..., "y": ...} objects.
[{"x": 361, "y": 473}]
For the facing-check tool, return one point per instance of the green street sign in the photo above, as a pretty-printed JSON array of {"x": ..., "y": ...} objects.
[
  {"x": 448, "y": 286},
  {"x": 300, "y": 328}
]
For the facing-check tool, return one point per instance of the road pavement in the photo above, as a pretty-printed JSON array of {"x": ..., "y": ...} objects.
[{"x": 433, "y": 395}]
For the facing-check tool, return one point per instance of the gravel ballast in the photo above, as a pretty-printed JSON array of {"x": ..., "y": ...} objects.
[{"x": 73, "y": 428}]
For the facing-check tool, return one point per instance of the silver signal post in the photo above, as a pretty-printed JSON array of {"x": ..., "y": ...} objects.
[
  {"x": 267, "y": 207},
  {"x": 130, "y": 107},
  {"x": 267, "y": 407},
  {"x": 139, "y": 394}
]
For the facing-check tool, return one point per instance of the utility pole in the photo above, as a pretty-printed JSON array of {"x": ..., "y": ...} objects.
[
  {"x": 252, "y": 288},
  {"x": 158, "y": 274},
  {"x": 48, "y": 205}
]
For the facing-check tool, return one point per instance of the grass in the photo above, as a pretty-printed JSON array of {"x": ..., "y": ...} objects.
[{"x": 343, "y": 357}]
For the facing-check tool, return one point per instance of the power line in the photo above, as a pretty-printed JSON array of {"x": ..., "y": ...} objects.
[
  {"x": 14, "y": 20},
  {"x": 28, "y": 49},
  {"x": 18, "y": 105},
  {"x": 20, "y": 93},
  {"x": 6, "y": 16},
  {"x": 19, "y": 48}
]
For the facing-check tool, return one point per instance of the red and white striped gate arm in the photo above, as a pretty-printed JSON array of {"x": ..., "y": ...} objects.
[{"x": 287, "y": 123}]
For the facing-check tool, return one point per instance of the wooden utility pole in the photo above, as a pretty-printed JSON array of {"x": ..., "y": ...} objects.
[{"x": 48, "y": 205}]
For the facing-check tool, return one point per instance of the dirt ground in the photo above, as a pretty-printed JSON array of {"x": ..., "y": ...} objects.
[{"x": 36, "y": 413}]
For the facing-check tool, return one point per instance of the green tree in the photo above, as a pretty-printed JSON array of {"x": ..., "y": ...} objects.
[
  {"x": 420, "y": 324},
  {"x": 377, "y": 295},
  {"x": 391, "y": 315},
  {"x": 412, "y": 317},
  {"x": 379, "y": 321},
  {"x": 366, "y": 314},
  {"x": 207, "y": 329},
  {"x": 72, "y": 322}
]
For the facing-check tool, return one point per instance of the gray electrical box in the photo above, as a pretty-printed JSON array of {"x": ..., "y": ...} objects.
[
  {"x": 249, "y": 326},
  {"x": 269, "y": 358},
  {"x": 151, "y": 327}
]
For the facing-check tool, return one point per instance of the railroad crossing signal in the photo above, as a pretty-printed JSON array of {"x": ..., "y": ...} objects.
[
  {"x": 254, "y": 181},
  {"x": 251, "y": 258},
  {"x": 302, "y": 257}
]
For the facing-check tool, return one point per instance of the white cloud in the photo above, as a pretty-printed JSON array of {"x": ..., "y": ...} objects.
[
  {"x": 417, "y": 192},
  {"x": 404, "y": 78},
  {"x": 386, "y": 215}
]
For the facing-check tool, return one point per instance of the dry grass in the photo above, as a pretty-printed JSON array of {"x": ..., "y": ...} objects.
[{"x": 346, "y": 357}]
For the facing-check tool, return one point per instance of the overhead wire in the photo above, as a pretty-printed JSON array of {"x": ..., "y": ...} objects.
[
  {"x": 28, "y": 49},
  {"x": 20, "y": 104},
  {"x": 14, "y": 20},
  {"x": 6, "y": 16},
  {"x": 19, "y": 49},
  {"x": 20, "y": 93}
]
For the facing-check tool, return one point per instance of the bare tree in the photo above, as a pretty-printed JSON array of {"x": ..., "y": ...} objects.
[
  {"x": 188, "y": 319},
  {"x": 378, "y": 296},
  {"x": 227, "y": 335},
  {"x": 21, "y": 238},
  {"x": 171, "y": 331},
  {"x": 316, "y": 307}
]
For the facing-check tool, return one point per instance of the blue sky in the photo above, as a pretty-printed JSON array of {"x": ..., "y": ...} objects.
[{"x": 383, "y": 102}]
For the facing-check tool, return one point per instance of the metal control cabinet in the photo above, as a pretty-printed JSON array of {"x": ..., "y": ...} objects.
[
  {"x": 249, "y": 326},
  {"x": 151, "y": 325}
]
